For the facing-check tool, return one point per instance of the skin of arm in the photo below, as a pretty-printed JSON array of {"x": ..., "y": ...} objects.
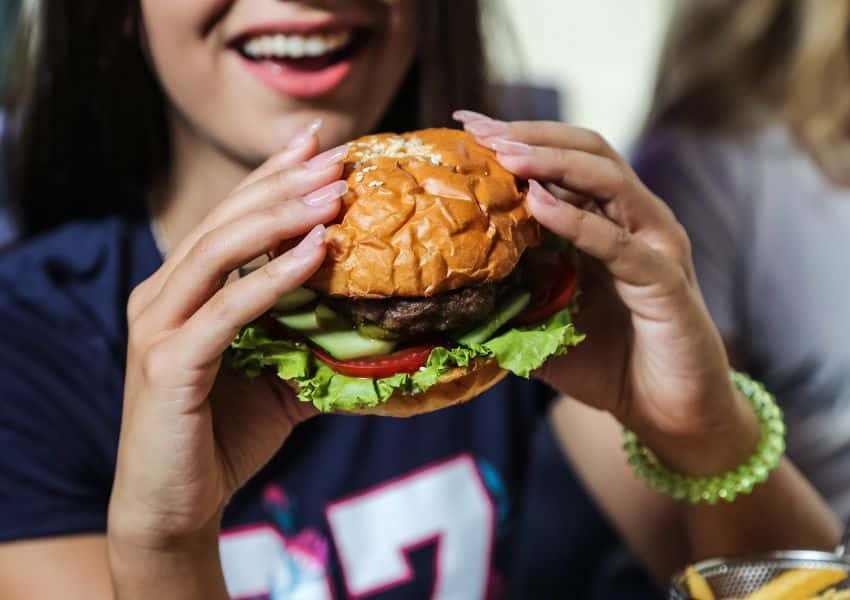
[
  {"x": 665, "y": 533},
  {"x": 72, "y": 568}
]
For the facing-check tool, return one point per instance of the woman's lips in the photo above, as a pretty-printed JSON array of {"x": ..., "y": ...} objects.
[
  {"x": 304, "y": 63},
  {"x": 290, "y": 80}
]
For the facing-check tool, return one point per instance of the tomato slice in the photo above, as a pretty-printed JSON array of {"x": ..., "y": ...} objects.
[
  {"x": 558, "y": 298},
  {"x": 408, "y": 360}
]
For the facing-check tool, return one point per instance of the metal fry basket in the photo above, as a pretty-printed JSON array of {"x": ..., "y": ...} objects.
[{"x": 739, "y": 577}]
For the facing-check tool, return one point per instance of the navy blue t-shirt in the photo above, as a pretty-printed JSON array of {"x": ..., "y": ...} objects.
[{"x": 469, "y": 502}]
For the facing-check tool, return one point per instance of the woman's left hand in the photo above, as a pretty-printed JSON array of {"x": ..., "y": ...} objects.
[{"x": 652, "y": 356}]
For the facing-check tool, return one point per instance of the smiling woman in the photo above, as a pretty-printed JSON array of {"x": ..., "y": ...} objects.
[
  {"x": 168, "y": 145},
  {"x": 239, "y": 83}
]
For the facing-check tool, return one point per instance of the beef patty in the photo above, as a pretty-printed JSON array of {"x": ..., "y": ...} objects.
[{"x": 410, "y": 318}]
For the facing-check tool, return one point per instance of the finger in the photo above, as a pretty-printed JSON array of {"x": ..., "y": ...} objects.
[
  {"x": 301, "y": 147},
  {"x": 209, "y": 332},
  {"x": 261, "y": 195},
  {"x": 539, "y": 133},
  {"x": 289, "y": 182},
  {"x": 626, "y": 257},
  {"x": 611, "y": 184},
  {"x": 582, "y": 172},
  {"x": 578, "y": 200},
  {"x": 217, "y": 253},
  {"x": 467, "y": 116}
]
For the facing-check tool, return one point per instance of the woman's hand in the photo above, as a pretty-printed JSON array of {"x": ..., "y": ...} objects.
[
  {"x": 652, "y": 356},
  {"x": 192, "y": 432}
]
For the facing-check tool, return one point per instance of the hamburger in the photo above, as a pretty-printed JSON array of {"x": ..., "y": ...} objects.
[{"x": 437, "y": 283}]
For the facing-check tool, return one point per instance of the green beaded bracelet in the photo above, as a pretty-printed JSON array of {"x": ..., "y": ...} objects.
[{"x": 726, "y": 487}]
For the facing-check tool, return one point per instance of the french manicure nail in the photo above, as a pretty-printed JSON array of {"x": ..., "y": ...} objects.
[
  {"x": 541, "y": 194},
  {"x": 465, "y": 116},
  {"x": 328, "y": 158},
  {"x": 311, "y": 241},
  {"x": 305, "y": 134},
  {"x": 326, "y": 195},
  {"x": 486, "y": 128},
  {"x": 508, "y": 146}
]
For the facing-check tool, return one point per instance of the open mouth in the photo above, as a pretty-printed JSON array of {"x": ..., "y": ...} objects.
[{"x": 304, "y": 52}]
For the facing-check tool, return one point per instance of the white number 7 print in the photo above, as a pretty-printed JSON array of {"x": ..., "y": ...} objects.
[{"x": 446, "y": 503}]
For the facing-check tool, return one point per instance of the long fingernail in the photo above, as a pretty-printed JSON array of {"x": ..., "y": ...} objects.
[
  {"x": 507, "y": 146},
  {"x": 303, "y": 136},
  {"x": 328, "y": 158},
  {"x": 326, "y": 195},
  {"x": 464, "y": 116},
  {"x": 311, "y": 241},
  {"x": 541, "y": 194},
  {"x": 487, "y": 128}
]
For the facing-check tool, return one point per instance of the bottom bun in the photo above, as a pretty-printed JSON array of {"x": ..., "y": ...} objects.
[{"x": 456, "y": 386}]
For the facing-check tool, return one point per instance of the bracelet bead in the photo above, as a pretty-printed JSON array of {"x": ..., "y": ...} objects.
[{"x": 726, "y": 487}]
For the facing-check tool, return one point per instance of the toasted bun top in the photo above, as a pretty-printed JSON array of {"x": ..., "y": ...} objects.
[{"x": 427, "y": 212}]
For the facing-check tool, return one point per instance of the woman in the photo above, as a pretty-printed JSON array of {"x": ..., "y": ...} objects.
[
  {"x": 750, "y": 147},
  {"x": 202, "y": 502}
]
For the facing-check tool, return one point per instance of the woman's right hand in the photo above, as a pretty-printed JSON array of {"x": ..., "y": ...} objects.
[{"x": 193, "y": 432}]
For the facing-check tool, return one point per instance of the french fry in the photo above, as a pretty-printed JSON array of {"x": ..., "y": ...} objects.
[
  {"x": 834, "y": 595},
  {"x": 799, "y": 584},
  {"x": 697, "y": 585}
]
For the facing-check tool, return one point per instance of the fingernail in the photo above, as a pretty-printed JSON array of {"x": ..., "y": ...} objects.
[
  {"x": 303, "y": 136},
  {"x": 311, "y": 241},
  {"x": 486, "y": 128},
  {"x": 465, "y": 116},
  {"x": 507, "y": 146},
  {"x": 326, "y": 195},
  {"x": 541, "y": 194},
  {"x": 328, "y": 158}
]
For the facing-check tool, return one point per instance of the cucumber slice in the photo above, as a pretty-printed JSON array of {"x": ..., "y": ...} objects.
[
  {"x": 350, "y": 344},
  {"x": 503, "y": 314},
  {"x": 302, "y": 321},
  {"x": 330, "y": 319},
  {"x": 295, "y": 299},
  {"x": 371, "y": 330}
]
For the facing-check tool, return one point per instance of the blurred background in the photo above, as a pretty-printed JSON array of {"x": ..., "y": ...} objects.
[
  {"x": 599, "y": 57},
  {"x": 8, "y": 10}
]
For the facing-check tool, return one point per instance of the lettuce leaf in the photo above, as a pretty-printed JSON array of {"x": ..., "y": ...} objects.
[{"x": 519, "y": 350}]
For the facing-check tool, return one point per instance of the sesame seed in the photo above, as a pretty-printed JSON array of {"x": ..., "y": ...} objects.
[
  {"x": 376, "y": 183},
  {"x": 359, "y": 177},
  {"x": 395, "y": 147}
]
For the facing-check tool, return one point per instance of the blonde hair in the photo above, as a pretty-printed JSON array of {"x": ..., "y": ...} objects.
[{"x": 731, "y": 65}]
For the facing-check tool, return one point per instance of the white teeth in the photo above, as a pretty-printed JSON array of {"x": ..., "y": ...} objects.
[{"x": 295, "y": 45}]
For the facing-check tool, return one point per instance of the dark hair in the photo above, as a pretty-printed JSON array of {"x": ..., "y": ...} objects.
[{"x": 87, "y": 119}]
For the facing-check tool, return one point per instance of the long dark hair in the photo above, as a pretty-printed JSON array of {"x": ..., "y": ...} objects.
[{"x": 87, "y": 119}]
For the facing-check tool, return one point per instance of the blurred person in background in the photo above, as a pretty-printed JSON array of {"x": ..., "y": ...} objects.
[
  {"x": 749, "y": 144},
  {"x": 153, "y": 153}
]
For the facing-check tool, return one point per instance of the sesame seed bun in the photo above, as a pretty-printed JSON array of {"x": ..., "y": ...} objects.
[{"x": 427, "y": 212}]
